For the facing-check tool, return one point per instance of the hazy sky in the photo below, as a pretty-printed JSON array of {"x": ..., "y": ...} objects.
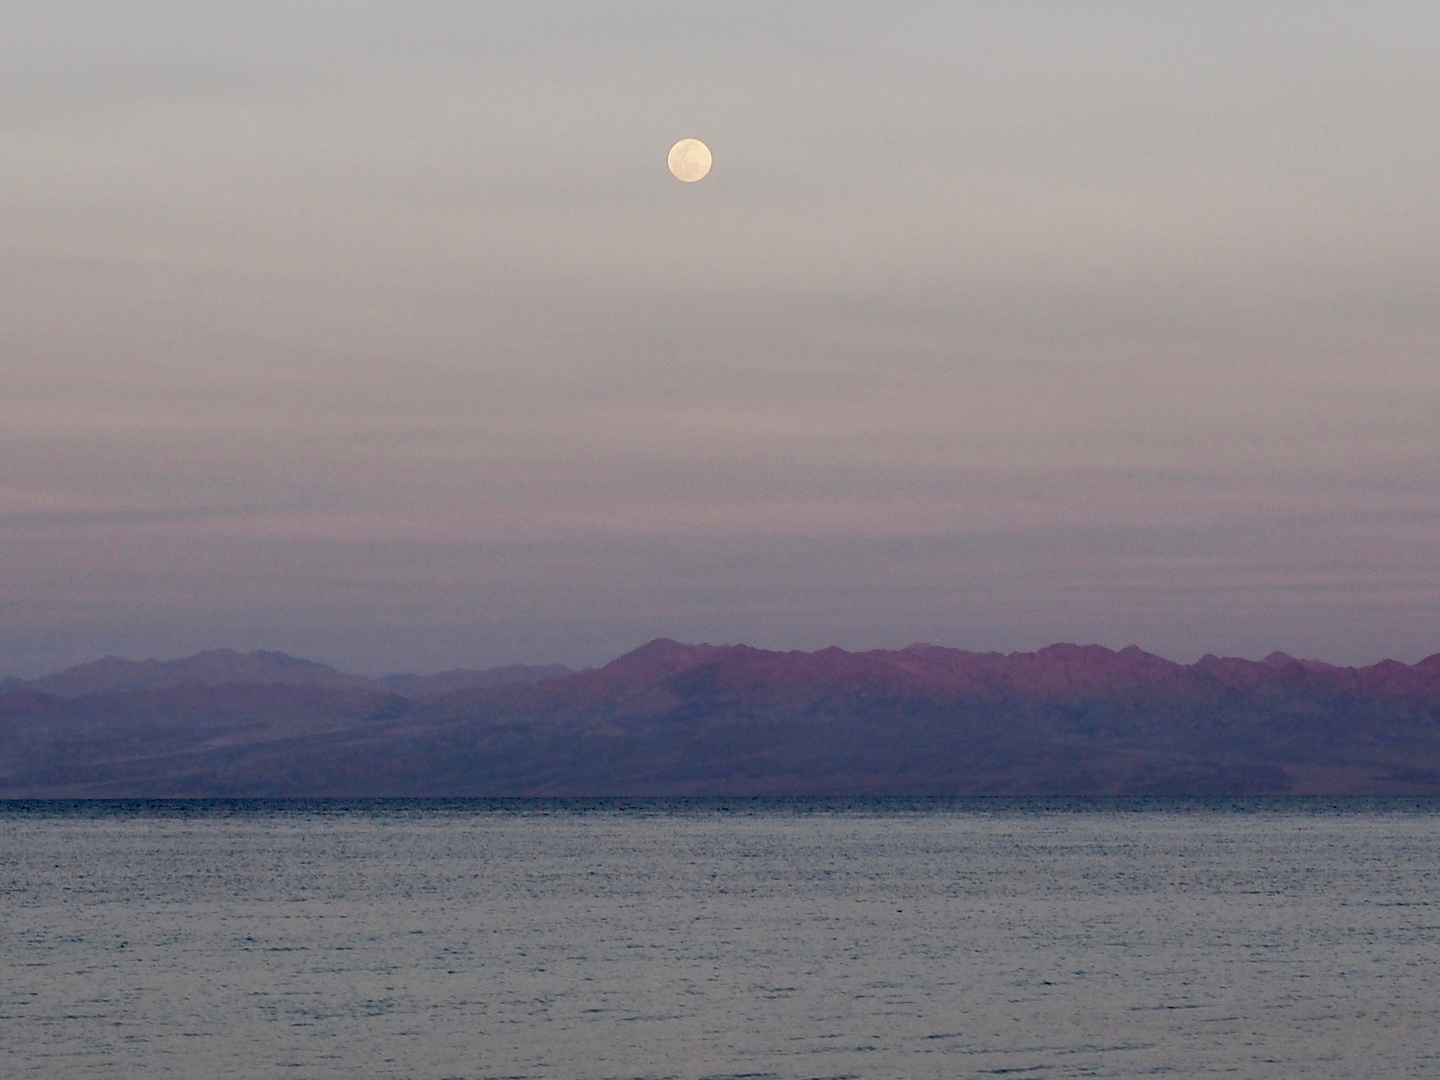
[{"x": 380, "y": 333}]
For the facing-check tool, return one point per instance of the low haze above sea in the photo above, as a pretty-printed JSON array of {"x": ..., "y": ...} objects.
[{"x": 786, "y": 939}]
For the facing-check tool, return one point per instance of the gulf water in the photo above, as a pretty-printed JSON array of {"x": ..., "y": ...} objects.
[{"x": 692, "y": 939}]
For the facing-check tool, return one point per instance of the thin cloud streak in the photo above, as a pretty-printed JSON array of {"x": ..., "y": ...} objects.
[{"x": 353, "y": 330}]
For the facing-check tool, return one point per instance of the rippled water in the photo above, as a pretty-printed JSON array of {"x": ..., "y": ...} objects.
[{"x": 714, "y": 939}]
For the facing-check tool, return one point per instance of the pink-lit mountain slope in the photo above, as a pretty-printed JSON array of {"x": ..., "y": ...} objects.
[
  {"x": 1057, "y": 674},
  {"x": 675, "y": 719}
]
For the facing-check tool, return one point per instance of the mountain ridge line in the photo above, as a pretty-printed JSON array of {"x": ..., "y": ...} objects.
[{"x": 671, "y": 719}]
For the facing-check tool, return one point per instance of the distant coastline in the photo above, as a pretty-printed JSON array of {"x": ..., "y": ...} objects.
[{"x": 677, "y": 720}]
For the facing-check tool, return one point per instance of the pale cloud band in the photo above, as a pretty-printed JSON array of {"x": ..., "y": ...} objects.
[{"x": 387, "y": 336}]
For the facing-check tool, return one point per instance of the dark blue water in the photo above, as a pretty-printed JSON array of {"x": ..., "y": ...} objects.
[{"x": 720, "y": 938}]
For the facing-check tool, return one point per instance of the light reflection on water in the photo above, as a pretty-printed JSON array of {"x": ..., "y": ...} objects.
[{"x": 718, "y": 938}]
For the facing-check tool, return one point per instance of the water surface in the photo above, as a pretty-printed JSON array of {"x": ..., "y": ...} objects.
[{"x": 714, "y": 938}]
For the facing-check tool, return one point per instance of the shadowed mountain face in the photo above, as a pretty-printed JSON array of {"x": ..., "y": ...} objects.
[
  {"x": 213, "y": 668},
  {"x": 674, "y": 719},
  {"x": 450, "y": 682},
  {"x": 219, "y": 667}
]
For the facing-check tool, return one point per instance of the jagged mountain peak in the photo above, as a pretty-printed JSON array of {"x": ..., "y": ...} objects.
[{"x": 212, "y": 667}]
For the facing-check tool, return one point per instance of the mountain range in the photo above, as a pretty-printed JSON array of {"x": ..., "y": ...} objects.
[{"x": 677, "y": 719}]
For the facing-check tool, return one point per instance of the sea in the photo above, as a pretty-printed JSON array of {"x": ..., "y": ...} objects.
[{"x": 720, "y": 938}]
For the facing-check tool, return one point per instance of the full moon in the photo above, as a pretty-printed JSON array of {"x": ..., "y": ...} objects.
[{"x": 690, "y": 160}]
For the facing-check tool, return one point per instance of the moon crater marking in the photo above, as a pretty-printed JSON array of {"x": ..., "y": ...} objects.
[{"x": 690, "y": 160}]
